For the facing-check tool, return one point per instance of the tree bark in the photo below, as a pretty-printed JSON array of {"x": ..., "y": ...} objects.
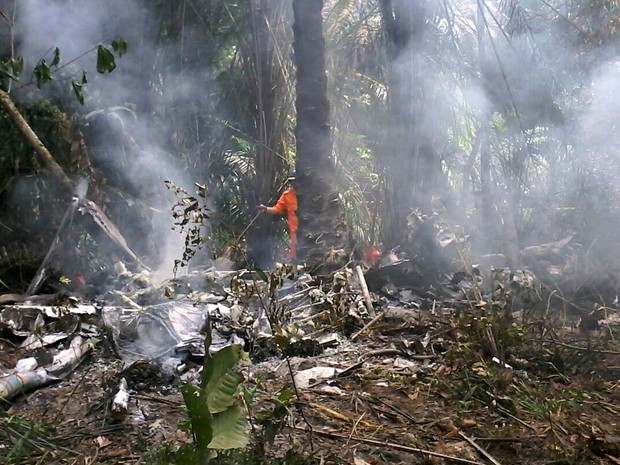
[
  {"x": 410, "y": 164},
  {"x": 266, "y": 108},
  {"x": 323, "y": 235}
]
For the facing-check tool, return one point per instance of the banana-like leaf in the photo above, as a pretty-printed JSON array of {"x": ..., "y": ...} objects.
[
  {"x": 202, "y": 420},
  {"x": 229, "y": 429},
  {"x": 220, "y": 380}
]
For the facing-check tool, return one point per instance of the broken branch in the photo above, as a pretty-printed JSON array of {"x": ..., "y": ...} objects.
[
  {"x": 365, "y": 293},
  {"x": 33, "y": 139},
  {"x": 392, "y": 445},
  {"x": 368, "y": 325},
  {"x": 475, "y": 445}
]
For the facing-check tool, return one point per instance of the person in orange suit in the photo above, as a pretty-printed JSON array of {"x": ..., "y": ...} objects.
[{"x": 287, "y": 203}]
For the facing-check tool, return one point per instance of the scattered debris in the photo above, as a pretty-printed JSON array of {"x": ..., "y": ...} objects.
[
  {"x": 467, "y": 370},
  {"x": 35, "y": 376},
  {"x": 120, "y": 401}
]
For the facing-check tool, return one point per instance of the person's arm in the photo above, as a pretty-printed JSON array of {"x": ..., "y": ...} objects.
[{"x": 278, "y": 209}]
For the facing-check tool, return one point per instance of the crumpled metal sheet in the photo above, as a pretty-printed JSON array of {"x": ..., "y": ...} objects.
[
  {"x": 162, "y": 331},
  {"x": 28, "y": 375}
]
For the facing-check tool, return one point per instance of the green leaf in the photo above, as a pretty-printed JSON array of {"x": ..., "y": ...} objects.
[
  {"x": 198, "y": 411},
  {"x": 42, "y": 73},
  {"x": 105, "y": 60},
  {"x": 229, "y": 429},
  {"x": 77, "y": 90},
  {"x": 120, "y": 46},
  {"x": 56, "y": 58},
  {"x": 12, "y": 67},
  {"x": 285, "y": 396},
  {"x": 262, "y": 275},
  {"x": 220, "y": 380}
]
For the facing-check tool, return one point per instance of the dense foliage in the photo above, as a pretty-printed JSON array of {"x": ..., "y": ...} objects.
[{"x": 489, "y": 119}]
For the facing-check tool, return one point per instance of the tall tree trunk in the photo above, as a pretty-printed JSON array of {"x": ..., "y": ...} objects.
[
  {"x": 323, "y": 236},
  {"x": 265, "y": 100},
  {"x": 410, "y": 164}
]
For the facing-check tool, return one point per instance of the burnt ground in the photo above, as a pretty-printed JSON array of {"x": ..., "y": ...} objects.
[{"x": 442, "y": 381}]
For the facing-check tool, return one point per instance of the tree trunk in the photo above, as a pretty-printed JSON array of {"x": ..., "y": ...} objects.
[
  {"x": 267, "y": 104},
  {"x": 409, "y": 161},
  {"x": 323, "y": 236}
]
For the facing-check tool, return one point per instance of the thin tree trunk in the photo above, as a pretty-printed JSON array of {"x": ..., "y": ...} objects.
[
  {"x": 323, "y": 236},
  {"x": 268, "y": 89}
]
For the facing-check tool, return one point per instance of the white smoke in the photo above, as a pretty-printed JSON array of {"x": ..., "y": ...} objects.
[{"x": 124, "y": 96}]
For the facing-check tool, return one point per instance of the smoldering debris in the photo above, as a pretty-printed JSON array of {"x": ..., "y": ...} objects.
[
  {"x": 29, "y": 376},
  {"x": 315, "y": 334}
]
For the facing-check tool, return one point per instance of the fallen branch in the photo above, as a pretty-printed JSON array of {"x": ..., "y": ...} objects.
[
  {"x": 368, "y": 325},
  {"x": 160, "y": 400},
  {"x": 479, "y": 449},
  {"x": 339, "y": 416},
  {"x": 33, "y": 139},
  {"x": 365, "y": 293},
  {"x": 585, "y": 349},
  {"x": 400, "y": 412},
  {"x": 393, "y": 445},
  {"x": 517, "y": 419},
  {"x": 396, "y": 352},
  {"x": 519, "y": 439}
]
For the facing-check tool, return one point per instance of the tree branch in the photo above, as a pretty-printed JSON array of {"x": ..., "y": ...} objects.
[{"x": 44, "y": 154}]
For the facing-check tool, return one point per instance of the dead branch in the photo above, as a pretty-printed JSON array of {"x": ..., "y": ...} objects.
[
  {"x": 584, "y": 349},
  {"x": 392, "y": 445},
  {"x": 34, "y": 141},
  {"x": 368, "y": 325},
  {"x": 365, "y": 293},
  {"x": 475, "y": 445}
]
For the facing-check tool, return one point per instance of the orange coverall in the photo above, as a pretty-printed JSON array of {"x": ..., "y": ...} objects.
[{"x": 288, "y": 203}]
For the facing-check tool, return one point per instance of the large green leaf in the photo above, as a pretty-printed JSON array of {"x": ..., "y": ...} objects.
[
  {"x": 220, "y": 380},
  {"x": 199, "y": 415},
  {"x": 229, "y": 429}
]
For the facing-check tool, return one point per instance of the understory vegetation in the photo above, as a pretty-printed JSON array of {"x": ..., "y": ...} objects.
[{"x": 471, "y": 146}]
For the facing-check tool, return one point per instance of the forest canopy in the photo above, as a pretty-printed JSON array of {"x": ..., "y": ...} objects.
[{"x": 489, "y": 121}]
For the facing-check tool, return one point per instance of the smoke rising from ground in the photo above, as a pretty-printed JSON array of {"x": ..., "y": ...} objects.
[
  {"x": 529, "y": 76},
  {"x": 550, "y": 99},
  {"x": 126, "y": 119}
]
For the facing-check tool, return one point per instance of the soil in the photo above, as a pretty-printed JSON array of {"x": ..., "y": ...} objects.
[{"x": 420, "y": 386}]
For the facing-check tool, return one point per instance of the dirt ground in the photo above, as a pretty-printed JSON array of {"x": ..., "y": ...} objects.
[{"x": 417, "y": 386}]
